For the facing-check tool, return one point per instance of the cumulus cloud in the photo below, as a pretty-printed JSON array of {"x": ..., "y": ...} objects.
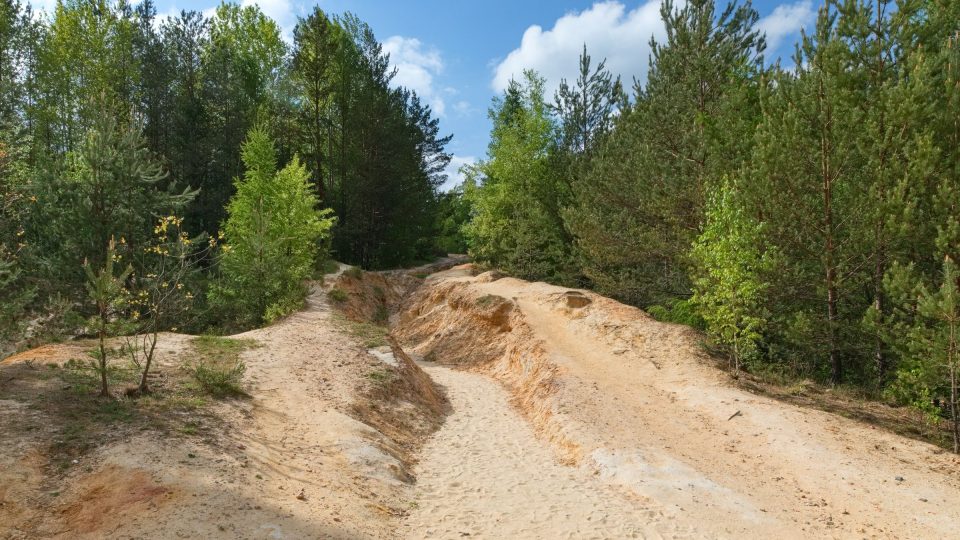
[
  {"x": 609, "y": 31},
  {"x": 454, "y": 176},
  {"x": 417, "y": 65},
  {"x": 785, "y": 21}
]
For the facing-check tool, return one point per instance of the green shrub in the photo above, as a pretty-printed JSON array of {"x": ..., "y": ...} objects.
[
  {"x": 354, "y": 272},
  {"x": 337, "y": 295},
  {"x": 218, "y": 380},
  {"x": 326, "y": 266},
  {"x": 677, "y": 311}
]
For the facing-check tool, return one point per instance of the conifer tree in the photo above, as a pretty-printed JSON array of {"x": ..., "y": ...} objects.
[
  {"x": 272, "y": 235},
  {"x": 315, "y": 49},
  {"x": 112, "y": 188},
  {"x": 106, "y": 290},
  {"x": 641, "y": 204}
]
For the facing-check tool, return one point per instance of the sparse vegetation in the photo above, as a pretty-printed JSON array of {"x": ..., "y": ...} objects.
[
  {"x": 381, "y": 376},
  {"x": 216, "y": 366},
  {"x": 381, "y": 315},
  {"x": 79, "y": 420},
  {"x": 338, "y": 295},
  {"x": 326, "y": 267},
  {"x": 219, "y": 381},
  {"x": 488, "y": 300},
  {"x": 369, "y": 334},
  {"x": 354, "y": 272}
]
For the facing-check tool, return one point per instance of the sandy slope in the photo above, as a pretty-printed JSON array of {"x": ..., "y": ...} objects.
[
  {"x": 298, "y": 465},
  {"x": 293, "y": 461},
  {"x": 633, "y": 402}
]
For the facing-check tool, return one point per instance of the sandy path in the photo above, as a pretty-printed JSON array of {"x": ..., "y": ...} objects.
[
  {"x": 486, "y": 475},
  {"x": 292, "y": 462},
  {"x": 639, "y": 407}
]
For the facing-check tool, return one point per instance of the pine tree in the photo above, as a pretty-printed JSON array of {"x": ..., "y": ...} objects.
[
  {"x": 112, "y": 188},
  {"x": 315, "y": 49},
  {"x": 15, "y": 293},
  {"x": 586, "y": 110},
  {"x": 805, "y": 186},
  {"x": 640, "y": 206},
  {"x": 931, "y": 347},
  {"x": 108, "y": 294},
  {"x": 272, "y": 236}
]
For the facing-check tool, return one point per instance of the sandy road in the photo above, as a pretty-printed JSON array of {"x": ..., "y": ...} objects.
[{"x": 484, "y": 474}]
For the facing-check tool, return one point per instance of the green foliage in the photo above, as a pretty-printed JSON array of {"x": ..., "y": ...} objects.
[
  {"x": 639, "y": 203},
  {"x": 163, "y": 297},
  {"x": 368, "y": 334},
  {"x": 113, "y": 107},
  {"x": 354, "y": 272},
  {"x": 272, "y": 235},
  {"x": 111, "y": 188},
  {"x": 678, "y": 311},
  {"x": 219, "y": 381},
  {"x": 731, "y": 291},
  {"x": 327, "y": 266},
  {"x": 217, "y": 368},
  {"x": 453, "y": 213},
  {"x": 516, "y": 223},
  {"x": 931, "y": 342},
  {"x": 15, "y": 294},
  {"x": 377, "y": 151},
  {"x": 107, "y": 292}
]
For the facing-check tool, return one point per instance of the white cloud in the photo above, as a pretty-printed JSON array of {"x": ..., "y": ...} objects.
[
  {"x": 454, "y": 176},
  {"x": 417, "y": 65},
  {"x": 785, "y": 21},
  {"x": 609, "y": 31},
  {"x": 281, "y": 11},
  {"x": 463, "y": 108}
]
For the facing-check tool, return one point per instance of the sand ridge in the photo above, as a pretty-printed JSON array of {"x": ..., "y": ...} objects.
[{"x": 636, "y": 403}]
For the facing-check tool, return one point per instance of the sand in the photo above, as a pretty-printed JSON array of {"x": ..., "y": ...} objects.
[
  {"x": 484, "y": 474},
  {"x": 634, "y": 404}
]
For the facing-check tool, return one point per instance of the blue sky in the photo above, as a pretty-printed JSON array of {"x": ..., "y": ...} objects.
[{"x": 457, "y": 55}]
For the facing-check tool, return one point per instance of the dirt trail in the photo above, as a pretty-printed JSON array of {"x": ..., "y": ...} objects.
[
  {"x": 634, "y": 403},
  {"x": 484, "y": 474},
  {"x": 295, "y": 460},
  {"x": 570, "y": 416}
]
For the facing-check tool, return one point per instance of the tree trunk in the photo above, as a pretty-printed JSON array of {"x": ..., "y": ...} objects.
[
  {"x": 144, "y": 387},
  {"x": 104, "y": 388},
  {"x": 826, "y": 174},
  {"x": 318, "y": 158},
  {"x": 879, "y": 358},
  {"x": 954, "y": 406}
]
